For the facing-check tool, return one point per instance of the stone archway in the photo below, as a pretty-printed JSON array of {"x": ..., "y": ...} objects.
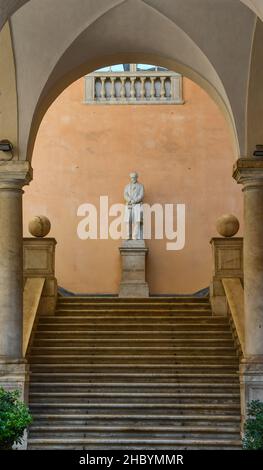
[{"x": 171, "y": 35}]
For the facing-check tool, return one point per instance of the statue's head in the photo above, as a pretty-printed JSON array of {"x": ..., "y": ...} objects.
[{"x": 134, "y": 177}]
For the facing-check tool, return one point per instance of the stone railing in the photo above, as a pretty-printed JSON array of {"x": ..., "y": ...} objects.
[
  {"x": 226, "y": 289},
  {"x": 139, "y": 87},
  {"x": 40, "y": 284}
]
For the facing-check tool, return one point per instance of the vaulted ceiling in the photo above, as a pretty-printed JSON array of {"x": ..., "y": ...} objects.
[{"x": 217, "y": 43}]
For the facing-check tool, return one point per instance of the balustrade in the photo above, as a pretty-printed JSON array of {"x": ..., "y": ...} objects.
[{"x": 133, "y": 87}]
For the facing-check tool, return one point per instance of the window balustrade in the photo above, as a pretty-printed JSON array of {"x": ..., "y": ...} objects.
[{"x": 134, "y": 86}]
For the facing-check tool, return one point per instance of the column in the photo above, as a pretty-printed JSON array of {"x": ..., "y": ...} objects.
[
  {"x": 13, "y": 176},
  {"x": 249, "y": 173}
]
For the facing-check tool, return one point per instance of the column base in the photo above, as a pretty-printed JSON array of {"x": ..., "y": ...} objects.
[
  {"x": 251, "y": 382},
  {"x": 133, "y": 283},
  {"x": 14, "y": 375}
]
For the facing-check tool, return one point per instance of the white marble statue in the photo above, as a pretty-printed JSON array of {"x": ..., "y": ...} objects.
[{"x": 133, "y": 217}]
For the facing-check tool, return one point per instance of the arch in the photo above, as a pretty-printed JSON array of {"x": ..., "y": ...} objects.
[
  {"x": 47, "y": 98},
  {"x": 55, "y": 56},
  {"x": 141, "y": 33}
]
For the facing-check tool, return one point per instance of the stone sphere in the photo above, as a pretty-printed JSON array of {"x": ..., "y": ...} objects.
[
  {"x": 227, "y": 225},
  {"x": 39, "y": 226}
]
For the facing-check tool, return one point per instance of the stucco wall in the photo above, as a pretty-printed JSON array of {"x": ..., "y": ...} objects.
[{"x": 183, "y": 154}]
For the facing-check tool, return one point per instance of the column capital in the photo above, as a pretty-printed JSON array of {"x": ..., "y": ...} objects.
[
  {"x": 249, "y": 172},
  {"x": 15, "y": 174}
]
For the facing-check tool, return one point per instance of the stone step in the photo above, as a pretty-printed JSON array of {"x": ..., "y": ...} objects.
[
  {"x": 149, "y": 343},
  {"x": 137, "y": 350},
  {"x": 137, "y": 443},
  {"x": 129, "y": 387},
  {"x": 133, "y": 408},
  {"x": 151, "y": 327},
  {"x": 149, "y": 419},
  {"x": 145, "y": 310},
  {"x": 107, "y": 343},
  {"x": 133, "y": 305},
  {"x": 182, "y": 376},
  {"x": 134, "y": 360},
  {"x": 130, "y": 319},
  {"x": 97, "y": 300},
  {"x": 133, "y": 368},
  {"x": 84, "y": 431},
  {"x": 222, "y": 335},
  {"x": 121, "y": 397}
]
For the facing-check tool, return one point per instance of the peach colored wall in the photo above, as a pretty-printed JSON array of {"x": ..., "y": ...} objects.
[{"x": 183, "y": 154}]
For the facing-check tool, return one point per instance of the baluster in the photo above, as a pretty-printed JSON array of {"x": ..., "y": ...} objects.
[
  {"x": 162, "y": 95},
  {"x": 103, "y": 90},
  {"x": 169, "y": 88},
  {"x": 112, "y": 93},
  {"x": 123, "y": 93},
  {"x": 152, "y": 92},
  {"x": 132, "y": 94},
  {"x": 143, "y": 87}
]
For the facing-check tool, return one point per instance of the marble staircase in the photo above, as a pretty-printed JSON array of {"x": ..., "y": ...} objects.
[{"x": 156, "y": 373}]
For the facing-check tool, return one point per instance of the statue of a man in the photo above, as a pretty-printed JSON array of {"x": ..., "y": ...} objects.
[{"x": 133, "y": 217}]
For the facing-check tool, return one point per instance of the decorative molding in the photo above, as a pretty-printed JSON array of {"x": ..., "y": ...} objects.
[
  {"x": 249, "y": 172},
  {"x": 15, "y": 173}
]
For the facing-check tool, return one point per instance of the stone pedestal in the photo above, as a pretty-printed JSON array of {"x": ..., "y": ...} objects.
[
  {"x": 14, "y": 375},
  {"x": 133, "y": 280},
  {"x": 227, "y": 263},
  {"x": 251, "y": 383},
  {"x": 39, "y": 261}
]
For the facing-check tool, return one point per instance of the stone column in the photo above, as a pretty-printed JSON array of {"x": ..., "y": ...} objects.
[
  {"x": 13, "y": 176},
  {"x": 249, "y": 172}
]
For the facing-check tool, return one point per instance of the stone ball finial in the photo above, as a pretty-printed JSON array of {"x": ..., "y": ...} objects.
[
  {"x": 39, "y": 226},
  {"x": 227, "y": 225}
]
